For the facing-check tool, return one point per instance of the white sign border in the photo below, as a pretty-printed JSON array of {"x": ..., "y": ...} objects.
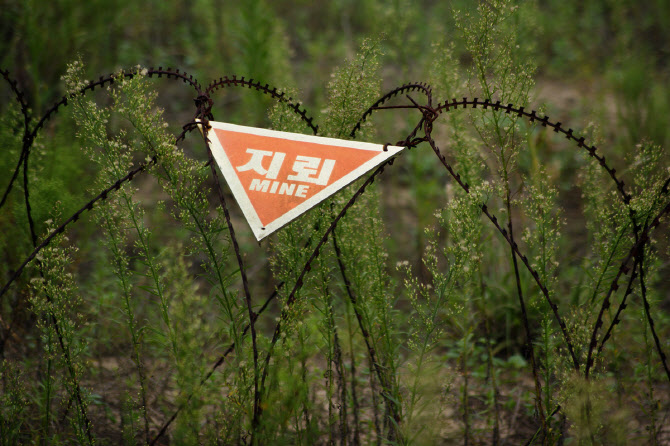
[{"x": 240, "y": 193}]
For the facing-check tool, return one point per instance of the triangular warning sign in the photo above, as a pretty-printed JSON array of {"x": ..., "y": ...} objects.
[{"x": 276, "y": 176}]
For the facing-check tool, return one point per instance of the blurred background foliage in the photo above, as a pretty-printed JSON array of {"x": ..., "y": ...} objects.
[
  {"x": 620, "y": 43},
  {"x": 602, "y": 62},
  {"x": 605, "y": 62},
  {"x": 607, "y": 58}
]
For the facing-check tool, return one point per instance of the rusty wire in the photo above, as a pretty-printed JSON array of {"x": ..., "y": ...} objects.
[{"x": 429, "y": 114}]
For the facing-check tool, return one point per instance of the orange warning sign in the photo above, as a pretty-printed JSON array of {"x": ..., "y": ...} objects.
[{"x": 276, "y": 176}]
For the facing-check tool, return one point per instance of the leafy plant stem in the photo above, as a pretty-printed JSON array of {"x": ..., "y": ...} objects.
[
  {"x": 247, "y": 293},
  {"x": 650, "y": 320},
  {"x": 524, "y": 314},
  {"x": 383, "y": 380}
]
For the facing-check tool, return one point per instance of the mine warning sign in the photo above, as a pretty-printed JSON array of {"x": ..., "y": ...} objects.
[{"x": 276, "y": 176}]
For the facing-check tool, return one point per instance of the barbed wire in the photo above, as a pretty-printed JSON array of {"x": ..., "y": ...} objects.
[{"x": 429, "y": 114}]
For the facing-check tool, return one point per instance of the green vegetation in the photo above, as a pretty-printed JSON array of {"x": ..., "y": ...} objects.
[{"x": 503, "y": 281}]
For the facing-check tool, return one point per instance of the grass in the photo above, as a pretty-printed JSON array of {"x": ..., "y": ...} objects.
[{"x": 508, "y": 291}]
